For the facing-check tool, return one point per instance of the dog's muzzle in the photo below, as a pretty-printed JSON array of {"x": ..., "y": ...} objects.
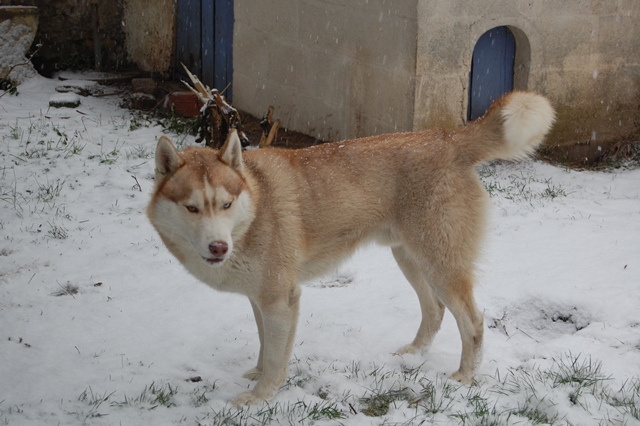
[{"x": 218, "y": 250}]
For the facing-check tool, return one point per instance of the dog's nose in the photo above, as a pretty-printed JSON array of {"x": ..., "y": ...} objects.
[{"x": 218, "y": 248}]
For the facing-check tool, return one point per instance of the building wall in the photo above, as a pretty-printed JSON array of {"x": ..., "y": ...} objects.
[
  {"x": 332, "y": 68},
  {"x": 139, "y": 32},
  {"x": 149, "y": 26},
  {"x": 65, "y": 31},
  {"x": 584, "y": 55}
]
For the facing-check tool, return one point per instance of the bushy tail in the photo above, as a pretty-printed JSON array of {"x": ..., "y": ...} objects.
[{"x": 513, "y": 128}]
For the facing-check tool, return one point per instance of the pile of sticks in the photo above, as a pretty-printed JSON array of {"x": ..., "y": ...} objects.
[{"x": 219, "y": 117}]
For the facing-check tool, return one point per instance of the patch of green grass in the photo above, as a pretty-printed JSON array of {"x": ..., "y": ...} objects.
[
  {"x": 108, "y": 157},
  {"x": 518, "y": 187},
  {"x": 520, "y": 396},
  {"x": 323, "y": 410},
  {"x": 434, "y": 397},
  {"x": 537, "y": 415},
  {"x": 58, "y": 232},
  {"x": 15, "y": 132},
  {"x": 140, "y": 151},
  {"x": 138, "y": 121},
  {"x": 577, "y": 371},
  {"x": 47, "y": 192},
  {"x": 151, "y": 397},
  {"x": 94, "y": 401},
  {"x": 34, "y": 151},
  {"x": 377, "y": 404},
  {"x": 627, "y": 398},
  {"x": 75, "y": 147},
  {"x": 180, "y": 125}
]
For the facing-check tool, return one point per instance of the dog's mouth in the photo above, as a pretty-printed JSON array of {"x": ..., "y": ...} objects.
[{"x": 215, "y": 261}]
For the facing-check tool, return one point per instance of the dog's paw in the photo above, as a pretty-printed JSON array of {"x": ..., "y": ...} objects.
[
  {"x": 247, "y": 398},
  {"x": 462, "y": 378},
  {"x": 407, "y": 349},
  {"x": 253, "y": 374}
]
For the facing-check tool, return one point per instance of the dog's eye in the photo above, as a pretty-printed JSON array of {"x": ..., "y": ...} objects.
[
  {"x": 192, "y": 209},
  {"x": 226, "y": 206}
]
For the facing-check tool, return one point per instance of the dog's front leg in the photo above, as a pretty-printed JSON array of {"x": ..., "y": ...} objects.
[
  {"x": 279, "y": 314},
  {"x": 256, "y": 372}
]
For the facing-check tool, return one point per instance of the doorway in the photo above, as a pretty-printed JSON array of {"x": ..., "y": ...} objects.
[
  {"x": 205, "y": 42},
  {"x": 491, "y": 73}
]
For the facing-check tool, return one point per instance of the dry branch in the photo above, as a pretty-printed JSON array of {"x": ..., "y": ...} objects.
[
  {"x": 269, "y": 129},
  {"x": 218, "y": 116}
]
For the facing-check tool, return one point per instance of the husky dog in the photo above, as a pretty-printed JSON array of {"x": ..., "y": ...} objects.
[{"x": 259, "y": 222}]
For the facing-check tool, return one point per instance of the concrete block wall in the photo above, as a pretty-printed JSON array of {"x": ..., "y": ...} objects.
[
  {"x": 150, "y": 27},
  {"x": 65, "y": 31},
  {"x": 334, "y": 69},
  {"x": 583, "y": 54}
]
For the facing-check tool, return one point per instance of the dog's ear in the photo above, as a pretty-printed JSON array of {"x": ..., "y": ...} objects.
[
  {"x": 168, "y": 160},
  {"x": 231, "y": 151}
]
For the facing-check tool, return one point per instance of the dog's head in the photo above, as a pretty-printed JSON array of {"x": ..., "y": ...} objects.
[{"x": 201, "y": 202}]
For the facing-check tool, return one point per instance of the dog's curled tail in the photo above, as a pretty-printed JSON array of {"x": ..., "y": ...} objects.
[{"x": 513, "y": 128}]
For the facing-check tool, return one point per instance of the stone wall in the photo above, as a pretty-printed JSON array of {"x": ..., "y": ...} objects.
[
  {"x": 582, "y": 54},
  {"x": 149, "y": 26},
  {"x": 338, "y": 69},
  {"x": 66, "y": 33},
  {"x": 333, "y": 69}
]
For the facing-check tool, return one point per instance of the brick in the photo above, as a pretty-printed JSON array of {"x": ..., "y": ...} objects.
[{"x": 185, "y": 103}]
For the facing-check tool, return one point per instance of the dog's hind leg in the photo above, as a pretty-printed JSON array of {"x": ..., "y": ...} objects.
[
  {"x": 432, "y": 309},
  {"x": 256, "y": 372}
]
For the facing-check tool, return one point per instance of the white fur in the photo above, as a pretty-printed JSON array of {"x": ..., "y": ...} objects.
[{"x": 527, "y": 119}]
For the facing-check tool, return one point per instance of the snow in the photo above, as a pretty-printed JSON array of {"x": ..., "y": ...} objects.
[
  {"x": 15, "y": 39},
  {"x": 96, "y": 315},
  {"x": 64, "y": 99}
]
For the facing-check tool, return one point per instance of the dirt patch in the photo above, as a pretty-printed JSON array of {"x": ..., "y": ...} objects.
[
  {"x": 286, "y": 138},
  {"x": 592, "y": 156}
]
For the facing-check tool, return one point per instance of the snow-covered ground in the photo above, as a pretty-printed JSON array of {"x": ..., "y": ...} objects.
[{"x": 99, "y": 324}]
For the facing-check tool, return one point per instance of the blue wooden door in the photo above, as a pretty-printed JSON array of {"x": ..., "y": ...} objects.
[
  {"x": 205, "y": 41},
  {"x": 223, "y": 46},
  {"x": 491, "y": 70},
  {"x": 188, "y": 37}
]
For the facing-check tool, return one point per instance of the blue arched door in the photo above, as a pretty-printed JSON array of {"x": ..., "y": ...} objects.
[{"x": 491, "y": 70}]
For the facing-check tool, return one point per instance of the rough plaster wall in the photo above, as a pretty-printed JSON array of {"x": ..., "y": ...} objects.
[
  {"x": 66, "y": 33},
  {"x": 149, "y": 26},
  {"x": 333, "y": 69},
  {"x": 583, "y": 54}
]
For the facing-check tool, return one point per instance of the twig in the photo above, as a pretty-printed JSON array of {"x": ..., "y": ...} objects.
[
  {"x": 137, "y": 183},
  {"x": 65, "y": 290},
  {"x": 102, "y": 95},
  {"x": 27, "y": 62},
  {"x": 225, "y": 88},
  {"x": 525, "y": 335}
]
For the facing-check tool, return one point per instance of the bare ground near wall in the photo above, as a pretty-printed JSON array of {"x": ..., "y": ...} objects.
[
  {"x": 286, "y": 138},
  {"x": 614, "y": 155}
]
